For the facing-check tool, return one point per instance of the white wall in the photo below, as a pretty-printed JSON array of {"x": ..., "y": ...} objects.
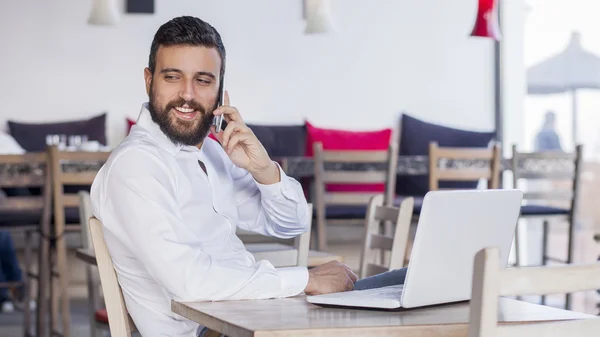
[
  {"x": 513, "y": 74},
  {"x": 386, "y": 57}
]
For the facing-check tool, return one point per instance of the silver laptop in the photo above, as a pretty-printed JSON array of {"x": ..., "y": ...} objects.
[{"x": 453, "y": 226}]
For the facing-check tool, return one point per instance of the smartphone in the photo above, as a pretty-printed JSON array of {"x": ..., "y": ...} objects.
[{"x": 218, "y": 121}]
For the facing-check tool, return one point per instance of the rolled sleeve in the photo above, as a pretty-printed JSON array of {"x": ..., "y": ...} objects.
[
  {"x": 278, "y": 209},
  {"x": 293, "y": 280}
]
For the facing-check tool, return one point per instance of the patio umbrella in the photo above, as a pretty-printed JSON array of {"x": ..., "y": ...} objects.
[{"x": 566, "y": 72}]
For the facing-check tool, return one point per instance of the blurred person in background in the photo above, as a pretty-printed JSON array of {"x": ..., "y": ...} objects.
[{"x": 547, "y": 138}]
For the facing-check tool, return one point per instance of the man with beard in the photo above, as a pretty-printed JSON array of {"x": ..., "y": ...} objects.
[{"x": 170, "y": 198}]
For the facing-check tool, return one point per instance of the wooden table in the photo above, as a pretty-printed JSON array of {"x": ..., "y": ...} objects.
[
  {"x": 294, "y": 316},
  {"x": 315, "y": 258}
]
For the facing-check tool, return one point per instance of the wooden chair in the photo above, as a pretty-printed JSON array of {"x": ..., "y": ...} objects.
[
  {"x": 121, "y": 324},
  {"x": 438, "y": 175},
  {"x": 65, "y": 185},
  {"x": 28, "y": 214},
  {"x": 348, "y": 207},
  {"x": 565, "y": 173},
  {"x": 374, "y": 241},
  {"x": 490, "y": 281},
  {"x": 282, "y": 255},
  {"x": 98, "y": 314}
]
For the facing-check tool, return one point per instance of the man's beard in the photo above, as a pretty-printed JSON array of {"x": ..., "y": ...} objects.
[{"x": 179, "y": 131}]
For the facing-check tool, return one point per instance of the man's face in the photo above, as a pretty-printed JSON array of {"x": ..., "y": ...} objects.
[{"x": 183, "y": 91}]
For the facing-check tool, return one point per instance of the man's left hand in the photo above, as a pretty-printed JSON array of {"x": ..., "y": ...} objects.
[{"x": 242, "y": 146}]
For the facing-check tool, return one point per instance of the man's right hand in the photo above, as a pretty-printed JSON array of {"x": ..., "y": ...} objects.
[{"x": 331, "y": 277}]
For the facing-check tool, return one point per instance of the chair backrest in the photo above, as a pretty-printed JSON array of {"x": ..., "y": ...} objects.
[
  {"x": 302, "y": 241},
  {"x": 561, "y": 169},
  {"x": 85, "y": 213},
  {"x": 71, "y": 169},
  {"x": 490, "y": 156},
  {"x": 377, "y": 213},
  {"x": 21, "y": 172},
  {"x": 120, "y": 323},
  {"x": 386, "y": 160},
  {"x": 491, "y": 281}
]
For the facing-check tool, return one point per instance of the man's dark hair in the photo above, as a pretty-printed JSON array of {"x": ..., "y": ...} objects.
[{"x": 190, "y": 31}]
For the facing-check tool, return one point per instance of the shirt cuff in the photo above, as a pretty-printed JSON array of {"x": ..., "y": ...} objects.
[
  {"x": 281, "y": 188},
  {"x": 293, "y": 280}
]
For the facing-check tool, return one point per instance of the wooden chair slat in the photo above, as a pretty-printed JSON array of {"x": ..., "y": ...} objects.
[
  {"x": 549, "y": 195},
  {"x": 26, "y": 158},
  {"x": 554, "y": 155},
  {"x": 22, "y": 180},
  {"x": 384, "y": 213},
  {"x": 549, "y": 280},
  {"x": 355, "y": 178},
  {"x": 347, "y": 199},
  {"x": 464, "y": 174},
  {"x": 379, "y": 241},
  {"x": 82, "y": 156},
  {"x": 70, "y": 200},
  {"x": 77, "y": 178},
  {"x": 22, "y": 203},
  {"x": 464, "y": 153},
  {"x": 552, "y": 175},
  {"x": 346, "y": 156}
]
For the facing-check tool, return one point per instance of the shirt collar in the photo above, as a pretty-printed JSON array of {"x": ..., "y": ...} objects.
[{"x": 145, "y": 121}]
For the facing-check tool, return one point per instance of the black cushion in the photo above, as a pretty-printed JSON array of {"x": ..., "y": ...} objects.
[
  {"x": 542, "y": 210},
  {"x": 281, "y": 140},
  {"x": 415, "y": 136},
  {"x": 344, "y": 212},
  {"x": 32, "y": 137},
  {"x": 19, "y": 218}
]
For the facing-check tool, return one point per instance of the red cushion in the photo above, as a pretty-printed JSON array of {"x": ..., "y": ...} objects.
[
  {"x": 130, "y": 123},
  {"x": 333, "y": 139},
  {"x": 101, "y": 316}
]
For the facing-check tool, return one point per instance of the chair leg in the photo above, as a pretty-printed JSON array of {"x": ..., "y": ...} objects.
[
  {"x": 27, "y": 285},
  {"x": 321, "y": 234},
  {"x": 63, "y": 283},
  {"x": 53, "y": 298},
  {"x": 545, "y": 229},
  {"x": 93, "y": 301},
  {"x": 517, "y": 248},
  {"x": 44, "y": 282},
  {"x": 570, "y": 247}
]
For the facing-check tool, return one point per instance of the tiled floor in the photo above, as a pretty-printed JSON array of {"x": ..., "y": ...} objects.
[{"x": 588, "y": 250}]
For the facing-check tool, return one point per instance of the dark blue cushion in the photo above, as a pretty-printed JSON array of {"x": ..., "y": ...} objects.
[
  {"x": 32, "y": 137},
  {"x": 415, "y": 136},
  {"x": 418, "y": 204},
  {"x": 19, "y": 218},
  {"x": 344, "y": 212},
  {"x": 281, "y": 140},
  {"x": 542, "y": 210}
]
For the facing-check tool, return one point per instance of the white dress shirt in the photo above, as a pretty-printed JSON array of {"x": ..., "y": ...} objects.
[{"x": 171, "y": 228}]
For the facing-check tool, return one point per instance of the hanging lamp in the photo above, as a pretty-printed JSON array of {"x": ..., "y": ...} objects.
[{"x": 486, "y": 24}]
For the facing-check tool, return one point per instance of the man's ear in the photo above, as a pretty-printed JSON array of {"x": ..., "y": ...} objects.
[{"x": 147, "y": 79}]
